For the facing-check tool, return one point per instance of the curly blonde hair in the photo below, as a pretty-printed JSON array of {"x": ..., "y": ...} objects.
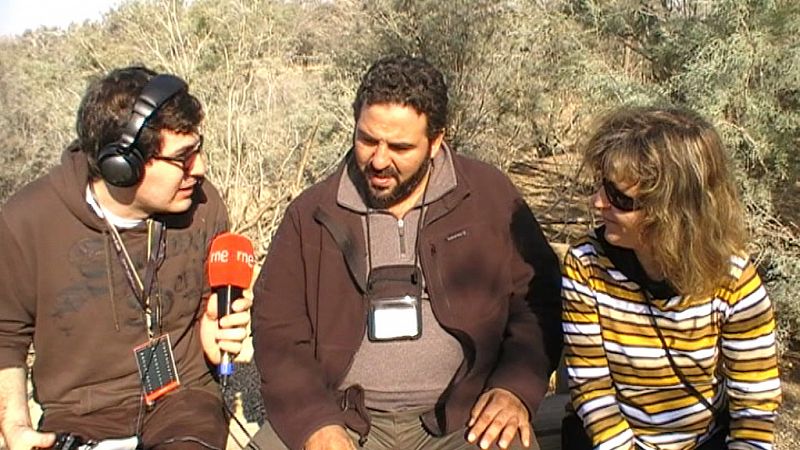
[{"x": 693, "y": 220}]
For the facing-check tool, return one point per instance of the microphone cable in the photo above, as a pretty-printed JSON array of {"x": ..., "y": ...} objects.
[
  {"x": 231, "y": 415},
  {"x": 187, "y": 439}
]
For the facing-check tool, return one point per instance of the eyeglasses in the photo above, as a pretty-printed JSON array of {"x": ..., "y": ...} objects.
[
  {"x": 187, "y": 159},
  {"x": 618, "y": 199}
]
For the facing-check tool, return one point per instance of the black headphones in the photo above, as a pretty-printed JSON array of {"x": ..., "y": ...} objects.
[{"x": 121, "y": 163}]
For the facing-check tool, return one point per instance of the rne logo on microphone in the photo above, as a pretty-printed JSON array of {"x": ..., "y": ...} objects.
[
  {"x": 223, "y": 256},
  {"x": 231, "y": 261}
]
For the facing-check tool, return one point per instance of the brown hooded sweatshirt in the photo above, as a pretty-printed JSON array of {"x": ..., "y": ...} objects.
[{"x": 65, "y": 290}]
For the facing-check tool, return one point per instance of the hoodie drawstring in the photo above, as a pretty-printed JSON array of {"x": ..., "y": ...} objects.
[{"x": 110, "y": 275}]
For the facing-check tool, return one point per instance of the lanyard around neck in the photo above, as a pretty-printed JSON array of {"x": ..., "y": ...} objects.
[
  {"x": 156, "y": 251},
  {"x": 142, "y": 289}
]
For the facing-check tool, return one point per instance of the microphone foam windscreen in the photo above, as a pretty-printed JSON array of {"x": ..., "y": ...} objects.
[{"x": 230, "y": 261}]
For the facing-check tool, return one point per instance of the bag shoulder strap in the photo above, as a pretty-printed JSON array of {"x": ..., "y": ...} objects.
[
  {"x": 689, "y": 387},
  {"x": 344, "y": 239}
]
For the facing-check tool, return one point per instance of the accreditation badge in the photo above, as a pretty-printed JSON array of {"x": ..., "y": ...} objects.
[
  {"x": 393, "y": 296},
  {"x": 393, "y": 319},
  {"x": 157, "y": 371}
]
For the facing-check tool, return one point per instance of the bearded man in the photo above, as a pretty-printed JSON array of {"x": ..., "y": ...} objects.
[{"x": 409, "y": 300}]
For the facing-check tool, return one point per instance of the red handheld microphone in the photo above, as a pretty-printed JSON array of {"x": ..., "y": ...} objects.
[{"x": 230, "y": 270}]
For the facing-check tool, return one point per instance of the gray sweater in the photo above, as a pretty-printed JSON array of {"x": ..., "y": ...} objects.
[{"x": 403, "y": 375}]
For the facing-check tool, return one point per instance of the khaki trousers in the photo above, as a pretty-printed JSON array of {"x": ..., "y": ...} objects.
[{"x": 391, "y": 431}]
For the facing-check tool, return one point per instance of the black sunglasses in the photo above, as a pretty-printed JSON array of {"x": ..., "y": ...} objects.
[
  {"x": 187, "y": 159},
  {"x": 618, "y": 199}
]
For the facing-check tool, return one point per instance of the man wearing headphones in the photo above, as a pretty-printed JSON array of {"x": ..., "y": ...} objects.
[{"x": 103, "y": 268}]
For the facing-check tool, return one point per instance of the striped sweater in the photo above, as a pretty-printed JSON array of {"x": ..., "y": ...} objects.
[{"x": 622, "y": 384}]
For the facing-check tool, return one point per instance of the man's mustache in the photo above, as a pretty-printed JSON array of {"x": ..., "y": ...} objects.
[{"x": 386, "y": 172}]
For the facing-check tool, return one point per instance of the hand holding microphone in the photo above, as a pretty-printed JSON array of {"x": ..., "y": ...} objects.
[{"x": 230, "y": 270}]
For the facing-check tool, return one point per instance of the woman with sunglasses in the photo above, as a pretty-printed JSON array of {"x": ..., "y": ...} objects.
[{"x": 669, "y": 333}]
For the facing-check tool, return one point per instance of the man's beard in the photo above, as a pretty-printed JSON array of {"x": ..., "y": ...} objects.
[{"x": 384, "y": 200}]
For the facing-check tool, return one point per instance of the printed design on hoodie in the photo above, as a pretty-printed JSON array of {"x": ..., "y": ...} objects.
[{"x": 88, "y": 257}]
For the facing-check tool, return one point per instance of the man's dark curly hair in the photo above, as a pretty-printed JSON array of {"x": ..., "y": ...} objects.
[
  {"x": 107, "y": 105},
  {"x": 407, "y": 81}
]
